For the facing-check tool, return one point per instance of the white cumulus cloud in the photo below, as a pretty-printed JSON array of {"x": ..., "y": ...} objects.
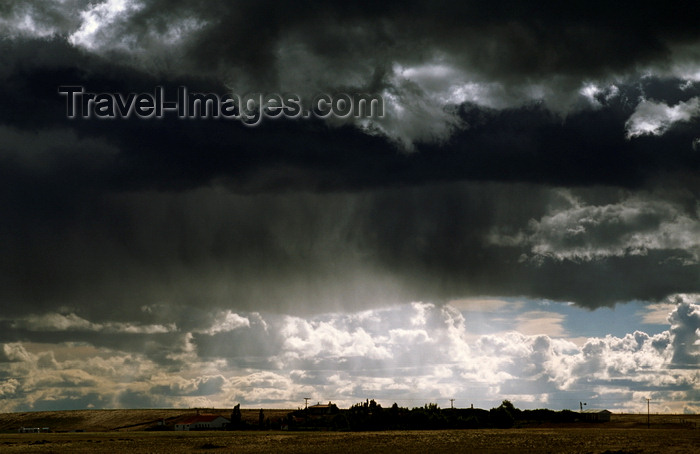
[{"x": 655, "y": 118}]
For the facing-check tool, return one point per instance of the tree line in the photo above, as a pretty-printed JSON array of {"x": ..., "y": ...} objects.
[{"x": 370, "y": 415}]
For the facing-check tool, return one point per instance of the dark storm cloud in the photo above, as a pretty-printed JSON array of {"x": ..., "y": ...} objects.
[
  {"x": 156, "y": 257},
  {"x": 517, "y": 144},
  {"x": 145, "y": 219},
  {"x": 554, "y": 30},
  {"x": 519, "y": 49},
  {"x": 530, "y": 150},
  {"x": 135, "y": 399},
  {"x": 502, "y": 39}
]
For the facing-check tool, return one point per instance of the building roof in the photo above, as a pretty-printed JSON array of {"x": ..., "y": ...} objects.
[
  {"x": 320, "y": 405},
  {"x": 593, "y": 410},
  {"x": 200, "y": 418}
]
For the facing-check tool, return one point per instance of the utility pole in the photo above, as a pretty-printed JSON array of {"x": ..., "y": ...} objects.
[
  {"x": 648, "y": 413},
  {"x": 452, "y": 401},
  {"x": 306, "y": 402}
]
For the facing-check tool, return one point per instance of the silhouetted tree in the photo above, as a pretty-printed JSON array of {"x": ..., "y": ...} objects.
[
  {"x": 515, "y": 412},
  {"x": 502, "y": 417},
  {"x": 236, "y": 417}
]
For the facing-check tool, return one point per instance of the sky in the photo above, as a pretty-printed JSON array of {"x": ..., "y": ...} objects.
[{"x": 522, "y": 223}]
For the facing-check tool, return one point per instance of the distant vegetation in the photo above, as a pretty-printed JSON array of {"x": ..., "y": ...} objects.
[
  {"x": 370, "y": 415},
  {"x": 364, "y": 416}
]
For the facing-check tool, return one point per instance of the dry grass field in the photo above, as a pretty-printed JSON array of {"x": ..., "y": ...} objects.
[
  {"x": 562, "y": 440},
  {"x": 114, "y": 420},
  {"x": 122, "y": 431}
]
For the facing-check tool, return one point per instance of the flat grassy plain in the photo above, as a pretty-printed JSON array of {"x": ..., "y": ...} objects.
[
  {"x": 553, "y": 440},
  {"x": 624, "y": 434},
  {"x": 117, "y": 419}
]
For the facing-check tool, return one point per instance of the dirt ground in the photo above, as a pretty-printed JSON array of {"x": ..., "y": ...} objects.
[{"x": 559, "y": 440}]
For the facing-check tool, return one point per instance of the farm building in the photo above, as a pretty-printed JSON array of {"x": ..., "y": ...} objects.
[
  {"x": 323, "y": 409},
  {"x": 33, "y": 430},
  {"x": 202, "y": 422},
  {"x": 596, "y": 415}
]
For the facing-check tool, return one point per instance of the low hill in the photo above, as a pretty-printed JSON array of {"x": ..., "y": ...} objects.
[
  {"x": 135, "y": 419},
  {"x": 119, "y": 419}
]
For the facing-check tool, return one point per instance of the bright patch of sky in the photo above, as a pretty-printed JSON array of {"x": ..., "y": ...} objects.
[
  {"x": 561, "y": 319},
  {"x": 536, "y": 353}
]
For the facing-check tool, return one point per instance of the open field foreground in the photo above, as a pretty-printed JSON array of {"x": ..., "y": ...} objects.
[
  {"x": 553, "y": 440},
  {"x": 127, "y": 420},
  {"x": 117, "y": 419},
  {"x": 124, "y": 431}
]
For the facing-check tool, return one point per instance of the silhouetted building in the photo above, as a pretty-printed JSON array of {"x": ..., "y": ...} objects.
[
  {"x": 202, "y": 422},
  {"x": 596, "y": 415},
  {"x": 323, "y": 409}
]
